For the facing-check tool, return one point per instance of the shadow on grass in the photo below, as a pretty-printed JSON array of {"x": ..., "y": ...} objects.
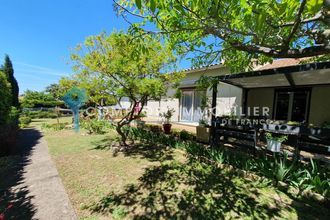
[
  {"x": 186, "y": 190},
  {"x": 15, "y": 201},
  {"x": 151, "y": 152},
  {"x": 175, "y": 190}
]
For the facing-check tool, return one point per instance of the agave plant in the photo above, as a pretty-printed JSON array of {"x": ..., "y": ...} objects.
[{"x": 282, "y": 169}]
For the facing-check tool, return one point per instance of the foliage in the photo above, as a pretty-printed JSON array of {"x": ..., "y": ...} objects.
[
  {"x": 325, "y": 124},
  {"x": 95, "y": 126},
  {"x": 166, "y": 116},
  {"x": 8, "y": 116},
  {"x": 303, "y": 176},
  {"x": 236, "y": 31},
  {"x": 281, "y": 138},
  {"x": 39, "y": 114},
  {"x": 282, "y": 169},
  {"x": 130, "y": 67},
  {"x": 34, "y": 99},
  {"x": 8, "y": 132},
  {"x": 8, "y": 70},
  {"x": 119, "y": 212},
  {"x": 24, "y": 121},
  {"x": 5, "y": 97},
  {"x": 97, "y": 88},
  {"x": 54, "y": 90},
  {"x": 54, "y": 127}
]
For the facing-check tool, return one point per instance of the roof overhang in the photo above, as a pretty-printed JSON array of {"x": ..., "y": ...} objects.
[{"x": 291, "y": 76}]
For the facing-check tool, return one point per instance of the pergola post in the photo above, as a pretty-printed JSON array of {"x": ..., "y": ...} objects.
[{"x": 214, "y": 112}]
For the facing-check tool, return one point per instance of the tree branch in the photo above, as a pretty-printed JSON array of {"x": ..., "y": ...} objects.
[{"x": 295, "y": 27}]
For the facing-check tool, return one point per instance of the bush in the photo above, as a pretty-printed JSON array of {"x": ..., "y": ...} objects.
[
  {"x": 40, "y": 114},
  {"x": 54, "y": 127},
  {"x": 24, "y": 121},
  {"x": 5, "y": 99},
  {"x": 95, "y": 126},
  {"x": 8, "y": 132}
]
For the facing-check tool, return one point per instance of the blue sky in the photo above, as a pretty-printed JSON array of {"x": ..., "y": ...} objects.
[{"x": 38, "y": 35}]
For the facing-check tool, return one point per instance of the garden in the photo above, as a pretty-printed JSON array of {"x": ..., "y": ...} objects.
[
  {"x": 119, "y": 166},
  {"x": 171, "y": 176}
]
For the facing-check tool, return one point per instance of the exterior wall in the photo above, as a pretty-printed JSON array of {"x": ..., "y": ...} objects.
[
  {"x": 229, "y": 97},
  {"x": 320, "y": 105},
  {"x": 153, "y": 108},
  {"x": 262, "y": 97}
]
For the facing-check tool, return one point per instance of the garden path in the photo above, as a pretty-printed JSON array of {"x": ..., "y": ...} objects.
[{"x": 40, "y": 179}]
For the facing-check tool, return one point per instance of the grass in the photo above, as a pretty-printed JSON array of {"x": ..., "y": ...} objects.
[{"x": 155, "y": 182}]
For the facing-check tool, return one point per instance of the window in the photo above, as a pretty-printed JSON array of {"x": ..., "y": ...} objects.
[{"x": 292, "y": 105}]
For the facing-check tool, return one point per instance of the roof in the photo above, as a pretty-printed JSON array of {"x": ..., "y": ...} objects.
[
  {"x": 205, "y": 67},
  {"x": 280, "y": 63},
  {"x": 275, "y": 64}
]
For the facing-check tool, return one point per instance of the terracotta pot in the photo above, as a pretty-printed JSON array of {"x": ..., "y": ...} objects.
[{"x": 167, "y": 128}]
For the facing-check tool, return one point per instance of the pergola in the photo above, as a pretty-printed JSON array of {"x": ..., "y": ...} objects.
[
  {"x": 310, "y": 74},
  {"x": 293, "y": 77}
]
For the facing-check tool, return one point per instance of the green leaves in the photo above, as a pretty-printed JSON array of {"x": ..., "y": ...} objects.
[
  {"x": 138, "y": 4},
  {"x": 313, "y": 6},
  {"x": 261, "y": 26},
  {"x": 152, "y": 5}
]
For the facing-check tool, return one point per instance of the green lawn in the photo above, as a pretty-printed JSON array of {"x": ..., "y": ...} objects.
[{"x": 154, "y": 182}]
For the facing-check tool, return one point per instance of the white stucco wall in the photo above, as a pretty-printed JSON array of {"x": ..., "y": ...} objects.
[{"x": 229, "y": 97}]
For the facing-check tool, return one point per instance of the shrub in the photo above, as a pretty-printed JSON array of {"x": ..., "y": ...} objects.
[
  {"x": 95, "y": 126},
  {"x": 40, "y": 114},
  {"x": 54, "y": 127},
  {"x": 6, "y": 99},
  {"x": 24, "y": 121}
]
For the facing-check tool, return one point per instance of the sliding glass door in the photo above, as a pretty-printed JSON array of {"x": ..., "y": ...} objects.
[
  {"x": 187, "y": 105},
  {"x": 190, "y": 106}
]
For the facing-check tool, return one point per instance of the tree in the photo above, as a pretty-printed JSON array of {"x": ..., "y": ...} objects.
[
  {"x": 54, "y": 90},
  {"x": 8, "y": 69},
  {"x": 5, "y": 97},
  {"x": 131, "y": 67},
  {"x": 97, "y": 88},
  {"x": 34, "y": 99},
  {"x": 236, "y": 31}
]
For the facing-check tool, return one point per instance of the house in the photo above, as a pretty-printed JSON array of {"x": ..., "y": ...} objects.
[{"x": 289, "y": 90}]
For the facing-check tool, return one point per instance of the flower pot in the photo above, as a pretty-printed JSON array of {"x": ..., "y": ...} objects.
[
  {"x": 203, "y": 134},
  {"x": 274, "y": 146},
  {"x": 167, "y": 128}
]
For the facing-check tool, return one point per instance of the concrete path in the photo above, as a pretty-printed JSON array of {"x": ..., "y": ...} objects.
[{"x": 41, "y": 179}]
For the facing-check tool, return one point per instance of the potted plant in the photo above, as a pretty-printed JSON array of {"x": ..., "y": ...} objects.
[
  {"x": 274, "y": 142},
  {"x": 203, "y": 131},
  {"x": 166, "y": 117}
]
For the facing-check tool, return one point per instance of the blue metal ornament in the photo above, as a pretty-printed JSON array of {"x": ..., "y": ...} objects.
[{"x": 74, "y": 99}]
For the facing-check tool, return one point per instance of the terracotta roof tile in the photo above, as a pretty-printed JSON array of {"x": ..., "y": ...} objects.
[{"x": 280, "y": 63}]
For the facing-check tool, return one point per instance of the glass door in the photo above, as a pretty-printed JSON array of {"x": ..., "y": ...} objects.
[
  {"x": 198, "y": 114},
  {"x": 187, "y": 105}
]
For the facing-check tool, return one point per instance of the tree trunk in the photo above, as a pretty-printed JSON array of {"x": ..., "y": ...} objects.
[{"x": 122, "y": 134}]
